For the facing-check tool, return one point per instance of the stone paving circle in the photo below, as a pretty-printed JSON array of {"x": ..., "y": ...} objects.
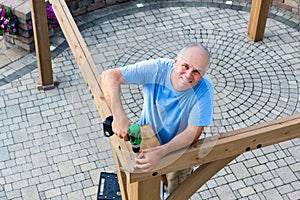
[{"x": 52, "y": 144}]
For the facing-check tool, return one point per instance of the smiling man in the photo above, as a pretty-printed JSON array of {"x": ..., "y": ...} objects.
[{"x": 178, "y": 103}]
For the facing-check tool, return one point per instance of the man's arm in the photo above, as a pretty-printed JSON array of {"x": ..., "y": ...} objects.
[
  {"x": 111, "y": 81},
  {"x": 149, "y": 158}
]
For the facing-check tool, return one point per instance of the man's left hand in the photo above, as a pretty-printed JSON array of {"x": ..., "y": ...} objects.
[{"x": 149, "y": 158}]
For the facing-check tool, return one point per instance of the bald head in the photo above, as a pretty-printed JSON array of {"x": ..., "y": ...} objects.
[{"x": 196, "y": 54}]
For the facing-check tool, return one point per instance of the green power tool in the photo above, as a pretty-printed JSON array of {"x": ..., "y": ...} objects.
[{"x": 134, "y": 133}]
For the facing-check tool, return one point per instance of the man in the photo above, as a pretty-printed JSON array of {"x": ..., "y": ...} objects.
[{"x": 178, "y": 103}]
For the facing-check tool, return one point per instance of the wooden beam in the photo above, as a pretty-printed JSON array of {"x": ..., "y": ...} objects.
[
  {"x": 227, "y": 145},
  {"x": 198, "y": 178},
  {"x": 42, "y": 45},
  {"x": 122, "y": 151},
  {"x": 258, "y": 18}
]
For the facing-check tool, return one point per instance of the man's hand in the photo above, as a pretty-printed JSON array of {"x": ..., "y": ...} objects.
[
  {"x": 120, "y": 127},
  {"x": 149, "y": 158}
]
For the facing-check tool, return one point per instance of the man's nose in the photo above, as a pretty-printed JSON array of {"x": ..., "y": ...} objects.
[{"x": 189, "y": 73}]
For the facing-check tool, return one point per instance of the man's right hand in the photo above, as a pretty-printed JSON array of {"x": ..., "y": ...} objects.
[{"x": 120, "y": 127}]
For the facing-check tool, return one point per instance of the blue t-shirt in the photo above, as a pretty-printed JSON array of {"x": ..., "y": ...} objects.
[{"x": 165, "y": 109}]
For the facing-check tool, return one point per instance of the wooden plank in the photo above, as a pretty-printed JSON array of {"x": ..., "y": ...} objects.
[
  {"x": 258, "y": 18},
  {"x": 228, "y": 145},
  {"x": 42, "y": 44},
  {"x": 198, "y": 178}
]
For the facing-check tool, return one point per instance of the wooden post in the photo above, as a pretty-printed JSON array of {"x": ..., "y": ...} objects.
[
  {"x": 42, "y": 45},
  {"x": 144, "y": 190},
  {"x": 258, "y": 18}
]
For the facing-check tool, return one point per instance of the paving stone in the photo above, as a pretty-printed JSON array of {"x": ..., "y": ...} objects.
[
  {"x": 66, "y": 138},
  {"x": 285, "y": 189},
  {"x": 286, "y": 174},
  {"x": 294, "y": 151},
  {"x": 272, "y": 194},
  {"x": 246, "y": 191},
  {"x": 45, "y": 186},
  {"x": 224, "y": 192},
  {"x": 66, "y": 168},
  {"x": 4, "y": 154},
  {"x": 260, "y": 169},
  {"x": 239, "y": 170},
  {"x": 39, "y": 160},
  {"x": 19, "y": 184},
  {"x": 237, "y": 185},
  {"x": 52, "y": 193},
  {"x": 13, "y": 111},
  {"x": 90, "y": 191},
  {"x": 30, "y": 193},
  {"x": 294, "y": 194},
  {"x": 13, "y": 194},
  {"x": 206, "y": 194},
  {"x": 76, "y": 195},
  {"x": 268, "y": 184}
]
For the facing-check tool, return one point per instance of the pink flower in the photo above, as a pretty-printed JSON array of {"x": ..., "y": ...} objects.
[{"x": 49, "y": 9}]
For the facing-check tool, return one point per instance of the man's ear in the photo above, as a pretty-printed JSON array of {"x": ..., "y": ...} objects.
[{"x": 176, "y": 59}]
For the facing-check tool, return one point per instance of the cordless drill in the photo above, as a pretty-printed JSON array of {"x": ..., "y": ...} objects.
[{"x": 134, "y": 133}]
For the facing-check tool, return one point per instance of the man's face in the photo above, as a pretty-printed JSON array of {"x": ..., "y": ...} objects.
[{"x": 189, "y": 68}]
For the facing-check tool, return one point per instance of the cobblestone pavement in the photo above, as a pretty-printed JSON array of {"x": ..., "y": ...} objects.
[{"x": 52, "y": 144}]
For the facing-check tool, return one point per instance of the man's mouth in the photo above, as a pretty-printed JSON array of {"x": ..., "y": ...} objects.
[{"x": 186, "y": 80}]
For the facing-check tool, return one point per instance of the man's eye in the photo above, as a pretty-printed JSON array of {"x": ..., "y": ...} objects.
[{"x": 196, "y": 72}]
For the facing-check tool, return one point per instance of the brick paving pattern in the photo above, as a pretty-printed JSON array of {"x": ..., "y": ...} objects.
[{"x": 52, "y": 144}]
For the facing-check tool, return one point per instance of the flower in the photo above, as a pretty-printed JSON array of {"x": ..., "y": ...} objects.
[
  {"x": 51, "y": 18},
  {"x": 8, "y": 21}
]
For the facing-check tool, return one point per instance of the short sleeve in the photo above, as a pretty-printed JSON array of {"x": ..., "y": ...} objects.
[{"x": 139, "y": 73}]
